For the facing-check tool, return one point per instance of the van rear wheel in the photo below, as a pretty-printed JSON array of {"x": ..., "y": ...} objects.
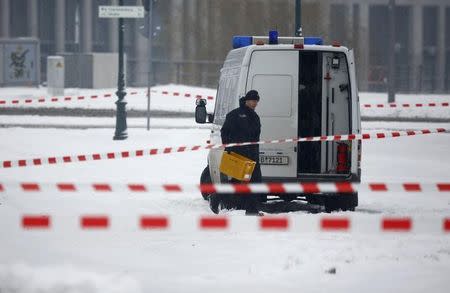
[
  {"x": 205, "y": 178},
  {"x": 344, "y": 202},
  {"x": 288, "y": 197},
  {"x": 349, "y": 201}
]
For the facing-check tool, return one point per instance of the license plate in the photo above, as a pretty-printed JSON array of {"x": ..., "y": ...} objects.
[{"x": 273, "y": 160}]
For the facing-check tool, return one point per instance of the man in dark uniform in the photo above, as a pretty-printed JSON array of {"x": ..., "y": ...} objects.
[{"x": 242, "y": 125}]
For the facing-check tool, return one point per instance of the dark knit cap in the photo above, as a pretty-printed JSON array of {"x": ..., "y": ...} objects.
[{"x": 251, "y": 95}]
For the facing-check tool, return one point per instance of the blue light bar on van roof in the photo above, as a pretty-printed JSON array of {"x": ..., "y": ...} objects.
[
  {"x": 273, "y": 37},
  {"x": 313, "y": 41},
  {"x": 242, "y": 41}
]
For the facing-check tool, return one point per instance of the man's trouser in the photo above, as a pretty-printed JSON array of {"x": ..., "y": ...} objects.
[{"x": 244, "y": 201}]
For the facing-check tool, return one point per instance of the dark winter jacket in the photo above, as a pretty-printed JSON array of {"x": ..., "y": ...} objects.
[{"x": 242, "y": 125}]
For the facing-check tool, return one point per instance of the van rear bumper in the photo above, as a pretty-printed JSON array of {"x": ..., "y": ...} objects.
[{"x": 317, "y": 178}]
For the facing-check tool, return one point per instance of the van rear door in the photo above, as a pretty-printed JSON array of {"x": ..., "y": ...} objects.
[{"x": 274, "y": 74}]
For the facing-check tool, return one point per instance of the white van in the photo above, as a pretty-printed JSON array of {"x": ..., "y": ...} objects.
[{"x": 306, "y": 89}]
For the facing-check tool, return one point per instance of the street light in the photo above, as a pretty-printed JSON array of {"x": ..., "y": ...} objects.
[
  {"x": 391, "y": 56},
  {"x": 148, "y": 7},
  {"x": 121, "y": 12},
  {"x": 121, "y": 114},
  {"x": 298, "y": 18}
]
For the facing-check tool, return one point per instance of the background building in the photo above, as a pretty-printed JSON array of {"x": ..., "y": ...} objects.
[{"x": 192, "y": 37}]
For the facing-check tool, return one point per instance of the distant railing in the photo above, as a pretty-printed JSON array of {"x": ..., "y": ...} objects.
[{"x": 408, "y": 79}]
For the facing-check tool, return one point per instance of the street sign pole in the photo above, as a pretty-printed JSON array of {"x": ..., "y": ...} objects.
[
  {"x": 298, "y": 18},
  {"x": 121, "y": 114},
  {"x": 392, "y": 52},
  {"x": 121, "y": 12},
  {"x": 149, "y": 78}
]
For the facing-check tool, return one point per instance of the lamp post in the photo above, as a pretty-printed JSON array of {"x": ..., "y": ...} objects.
[
  {"x": 298, "y": 18},
  {"x": 391, "y": 56},
  {"x": 121, "y": 114},
  {"x": 149, "y": 5}
]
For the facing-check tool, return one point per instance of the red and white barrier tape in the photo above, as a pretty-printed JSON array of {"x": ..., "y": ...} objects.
[
  {"x": 41, "y": 100},
  {"x": 58, "y": 99},
  {"x": 406, "y": 105},
  {"x": 295, "y": 224},
  {"x": 388, "y": 105},
  {"x": 266, "y": 188},
  {"x": 196, "y": 96},
  {"x": 185, "y": 94},
  {"x": 167, "y": 150}
]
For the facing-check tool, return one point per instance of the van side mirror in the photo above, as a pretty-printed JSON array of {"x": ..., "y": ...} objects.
[{"x": 200, "y": 111}]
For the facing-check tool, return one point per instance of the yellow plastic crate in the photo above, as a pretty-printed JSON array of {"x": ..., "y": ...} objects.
[{"x": 237, "y": 166}]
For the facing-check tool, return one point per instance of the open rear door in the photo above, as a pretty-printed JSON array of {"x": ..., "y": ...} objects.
[
  {"x": 274, "y": 74},
  {"x": 310, "y": 112},
  {"x": 336, "y": 106}
]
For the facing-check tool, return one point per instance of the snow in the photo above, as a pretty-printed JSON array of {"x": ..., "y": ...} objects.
[
  {"x": 25, "y": 278},
  {"x": 183, "y": 104},
  {"x": 137, "y": 101},
  {"x": 411, "y": 112},
  {"x": 66, "y": 258},
  {"x": 96, "y": 122}
]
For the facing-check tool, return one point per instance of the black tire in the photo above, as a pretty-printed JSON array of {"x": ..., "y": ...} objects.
[
  {"x": 262, "y": 198},
  {"x": 288, "y": 197},
  {"x": 344, "y": 202},
  {"x": 205, "y": 178},
  {"x": 315, "y": 199},
  {"x": 349, "y": 201},
  {"x": 331, "y": 203}
]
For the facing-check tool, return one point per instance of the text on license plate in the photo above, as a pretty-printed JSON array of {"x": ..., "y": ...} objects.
[{"x": 273, "y": 160}]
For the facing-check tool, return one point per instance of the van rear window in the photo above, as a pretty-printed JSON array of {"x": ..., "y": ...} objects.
[{"x": 274, "y": 89}]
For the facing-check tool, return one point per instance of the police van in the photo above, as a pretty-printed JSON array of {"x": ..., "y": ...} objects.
[{"x": 307, "y": 89}]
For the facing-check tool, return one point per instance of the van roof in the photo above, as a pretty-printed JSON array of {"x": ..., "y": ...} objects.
[
  {"x": 242, "y": 55},
  {"x": 291, "y": 47}
]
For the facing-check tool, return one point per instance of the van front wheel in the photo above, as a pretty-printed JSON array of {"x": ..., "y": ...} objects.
[
  {"x": 205, "y": 178},
  {"x": 344, "y": 202}
]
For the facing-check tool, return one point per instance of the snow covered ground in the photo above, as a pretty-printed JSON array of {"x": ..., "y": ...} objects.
[
  {"x": 138, "y": 101},
  {"x": 66, "y": 258},
  {"x": 35, "y": 121},
  {"x": 180, "y": 103}
]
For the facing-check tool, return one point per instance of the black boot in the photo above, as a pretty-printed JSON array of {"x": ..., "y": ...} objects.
[
  {"x": 251, "y": 205},
  {"x": 215, "y": 201},
  {"x": 254, "y": 213}
]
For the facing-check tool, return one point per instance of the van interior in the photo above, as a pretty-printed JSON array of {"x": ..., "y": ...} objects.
[{"x": 324, "y": 108}]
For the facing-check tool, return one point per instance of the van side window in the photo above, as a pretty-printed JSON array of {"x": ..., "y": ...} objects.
[
  {"x": 227, "y": 93},
  {"x": 226, "y": 97}
]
